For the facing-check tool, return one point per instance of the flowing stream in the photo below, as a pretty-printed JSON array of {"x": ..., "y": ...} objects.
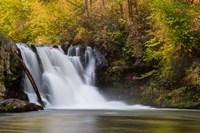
[
  {"x": 65, "y": 81},
  {"x": 108, "y": 121}
]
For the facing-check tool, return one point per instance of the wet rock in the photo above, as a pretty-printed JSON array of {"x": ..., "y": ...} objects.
[
  {"x": 10, "y": 71},
  {"x": 16, "y": 105},
  {"x": 137, "y": 68},
  {"x": 65, "y": 47},
  {"x": 100, "y": 58},
  {"x": 2, "y": 90}
]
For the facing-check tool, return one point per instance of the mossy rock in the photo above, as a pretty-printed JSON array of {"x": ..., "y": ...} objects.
[
  {"x": 10, "y": 71},
  {"x": 16, "y": 105}
]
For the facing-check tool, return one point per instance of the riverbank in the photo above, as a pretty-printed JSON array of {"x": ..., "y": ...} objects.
[{"x": 141, "y": 86}]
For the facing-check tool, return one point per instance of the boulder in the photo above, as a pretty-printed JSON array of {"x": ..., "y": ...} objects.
[
  {"x": 100, "y": 58},
  {"x": 16, "y": 105}
]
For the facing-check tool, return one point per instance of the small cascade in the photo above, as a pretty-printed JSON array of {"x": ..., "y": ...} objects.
[
  {"x": 30, "y": 59},
  {"x": 64, "y": 81},
  {"x": 90, "y": 67}
]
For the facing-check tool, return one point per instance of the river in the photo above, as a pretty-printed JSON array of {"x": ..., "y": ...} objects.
[{"x": 101, "y": 121}]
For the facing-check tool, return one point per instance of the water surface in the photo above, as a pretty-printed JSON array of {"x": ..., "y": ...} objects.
[{"x": 109, "y": 121}]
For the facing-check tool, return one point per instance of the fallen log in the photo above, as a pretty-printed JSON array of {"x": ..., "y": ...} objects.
[{"x": 15, "y": 51}]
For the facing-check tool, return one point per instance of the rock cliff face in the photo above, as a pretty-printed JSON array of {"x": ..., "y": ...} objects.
[
  {"x": 10, "y": 79},
  {"x": 10, "y": 72}
]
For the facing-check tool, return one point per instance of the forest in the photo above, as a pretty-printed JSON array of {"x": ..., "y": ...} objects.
[{"x": 152, "y": 46}]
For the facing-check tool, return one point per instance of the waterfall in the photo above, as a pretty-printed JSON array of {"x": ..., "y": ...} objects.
[{"x": 64, "y": 81}]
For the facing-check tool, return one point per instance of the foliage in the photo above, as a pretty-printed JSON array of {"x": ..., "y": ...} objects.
[
  {"x": 171, "y": 39},
  {"x": 12, "y": 20},
  {"x": 193, "y": 73},
  {"x": 34, "y": 21},
  {"x": 173, "y": 45}
]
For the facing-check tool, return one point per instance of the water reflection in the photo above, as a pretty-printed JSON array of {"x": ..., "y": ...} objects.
[{"x": 101, "y": 122}]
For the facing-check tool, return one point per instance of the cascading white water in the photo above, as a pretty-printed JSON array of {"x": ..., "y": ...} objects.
[{"x": 62, "y": 80}]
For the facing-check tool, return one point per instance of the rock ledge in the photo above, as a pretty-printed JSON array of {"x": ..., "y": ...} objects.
[{"x": 16, "y": 105}]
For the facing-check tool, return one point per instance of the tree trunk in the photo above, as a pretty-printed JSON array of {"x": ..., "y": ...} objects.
[
  {"x": 86, "y": 8},
  {"x": 91, "y": 2},
  {"x": 121, "y": 10},
  {"x": 130, "y": 9},
  {"x": 103, "y": 3},
  {"x": 135, "y": 4},
  {"x": 29, "y": 76}
]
